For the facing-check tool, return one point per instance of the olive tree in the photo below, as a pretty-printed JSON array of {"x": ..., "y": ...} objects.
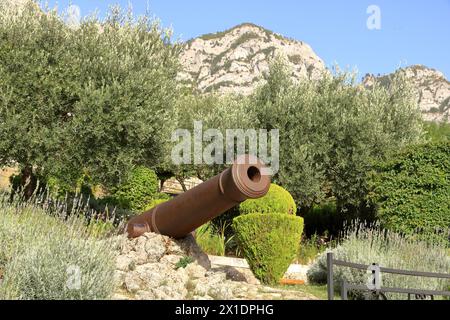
[
  {"x": 98, "y": 97},
  {"x": 210, "y": 111},
  {"x": 332, "y": 129}
]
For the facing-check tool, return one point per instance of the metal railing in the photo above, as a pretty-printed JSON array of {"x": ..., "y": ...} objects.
[{"x": 380, "y": 291}]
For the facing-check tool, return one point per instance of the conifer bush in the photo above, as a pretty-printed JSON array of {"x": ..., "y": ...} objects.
[
  {"x": 277, "y": 200},
  {"x": 269, "y": 243}
]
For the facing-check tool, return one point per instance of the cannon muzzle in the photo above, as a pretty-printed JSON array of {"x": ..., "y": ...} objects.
[{"x": 188, "y": 211}]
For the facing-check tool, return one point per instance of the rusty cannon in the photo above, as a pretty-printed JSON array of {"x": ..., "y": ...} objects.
[{"x": 188, "y": 211}]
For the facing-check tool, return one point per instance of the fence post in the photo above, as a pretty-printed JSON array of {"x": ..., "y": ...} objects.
[
  {"x": 344, "y": 290},
  {"x": 330, "y": 286}
]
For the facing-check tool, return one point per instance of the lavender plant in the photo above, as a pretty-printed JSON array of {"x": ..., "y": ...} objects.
[
  {"x": 52, "y": 252},
  {"x": 371, "y": 244}
]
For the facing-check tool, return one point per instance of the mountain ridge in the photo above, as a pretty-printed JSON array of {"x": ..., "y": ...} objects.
[
  {"x": 432, "y": 90},
  {"x": 234, "y": 60}
]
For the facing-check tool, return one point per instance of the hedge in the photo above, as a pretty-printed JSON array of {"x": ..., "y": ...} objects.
[
  {"x": 138, "y": 190},
  {"x": 269, "y": 243},
  {"x": 277, "y": 200},
  {"x": 412, "y": 191}
]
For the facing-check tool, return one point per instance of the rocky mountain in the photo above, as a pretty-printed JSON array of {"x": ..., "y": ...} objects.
[
  {"x": 431, "y": 87},
  {"x": 236, "y": 59}
]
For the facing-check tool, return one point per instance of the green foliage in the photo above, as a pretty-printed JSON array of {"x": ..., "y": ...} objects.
[
  {"x": 109, "y": 206},
  {"x": 138, "y": 190},
  {"x": 310, "y": 249},
  {"x": 97, "y": 98},
  {"x": 269, "y": 242},
  {"x": 412, "y": 191},
  {"x": 60, "y": 189},
  {"x": 437, "y": 132},
  {"x": 183, "y": 262},
  {"x": 161, "y": 198},
  {"x": 43, "y": 249},
  {"x": 225, "y": 219},
  {"x": 331, "y": 130},
  {"x": 323, "y": 219},
  {"x": 100, "y": 228},
  {"x": 213, "y": 240},
  {"x": 215, "y": 112},
  {"x": 367, "y": 245},
  {"x": 220, "y": 34},
  {"x": 277, "y": 200}
]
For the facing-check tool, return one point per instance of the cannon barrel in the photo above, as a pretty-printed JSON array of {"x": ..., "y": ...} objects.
[{"x": 186, "y": 212}]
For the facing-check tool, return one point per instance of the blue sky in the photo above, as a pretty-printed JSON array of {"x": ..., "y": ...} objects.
[{"x": 411, "y": 32}]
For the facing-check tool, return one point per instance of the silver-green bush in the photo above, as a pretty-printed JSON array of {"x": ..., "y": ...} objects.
[
  {"x": 366, "y": 245},
  {"x": 47, "y": 254}
]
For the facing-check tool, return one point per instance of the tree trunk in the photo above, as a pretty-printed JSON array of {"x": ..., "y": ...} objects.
[
  {"x": 161, "y": 184},
  {"x": 28, "y": 182},
  {"x": 183, "y": 185}
]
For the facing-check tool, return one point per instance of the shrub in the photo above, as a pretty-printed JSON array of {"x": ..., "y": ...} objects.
[
  {"x": 109, "y": 206},
  {"x": 225, "y": 219},
  {"x": 323, "y": 218},
  {"x": 161, "y": 198},
  {"x": 310, "y": 249},
  {"x": 277, "y": 200},
  {"x": 138, "y": 190},
  {"x": 269, "y": 243},
  {"x": 42, "y": 254},
  {"x": 99, "y": 229},
  {"x": 412, "y": 192},
  {"x": 437, "y": 131},
  {"x": 367, "y": 245},
  {"x": 213, "y": 240}
]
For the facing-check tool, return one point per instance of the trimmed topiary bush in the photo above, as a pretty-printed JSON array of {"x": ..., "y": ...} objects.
[
  {"x": 277, "y": 200},
  {"x": 269, "y": 243},
  {"x": 412, "y": 192},
  {"x": 138, "y": 190}
]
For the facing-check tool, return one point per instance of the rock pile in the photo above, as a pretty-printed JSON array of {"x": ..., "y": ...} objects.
[{"x": 157, "y": 267}]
